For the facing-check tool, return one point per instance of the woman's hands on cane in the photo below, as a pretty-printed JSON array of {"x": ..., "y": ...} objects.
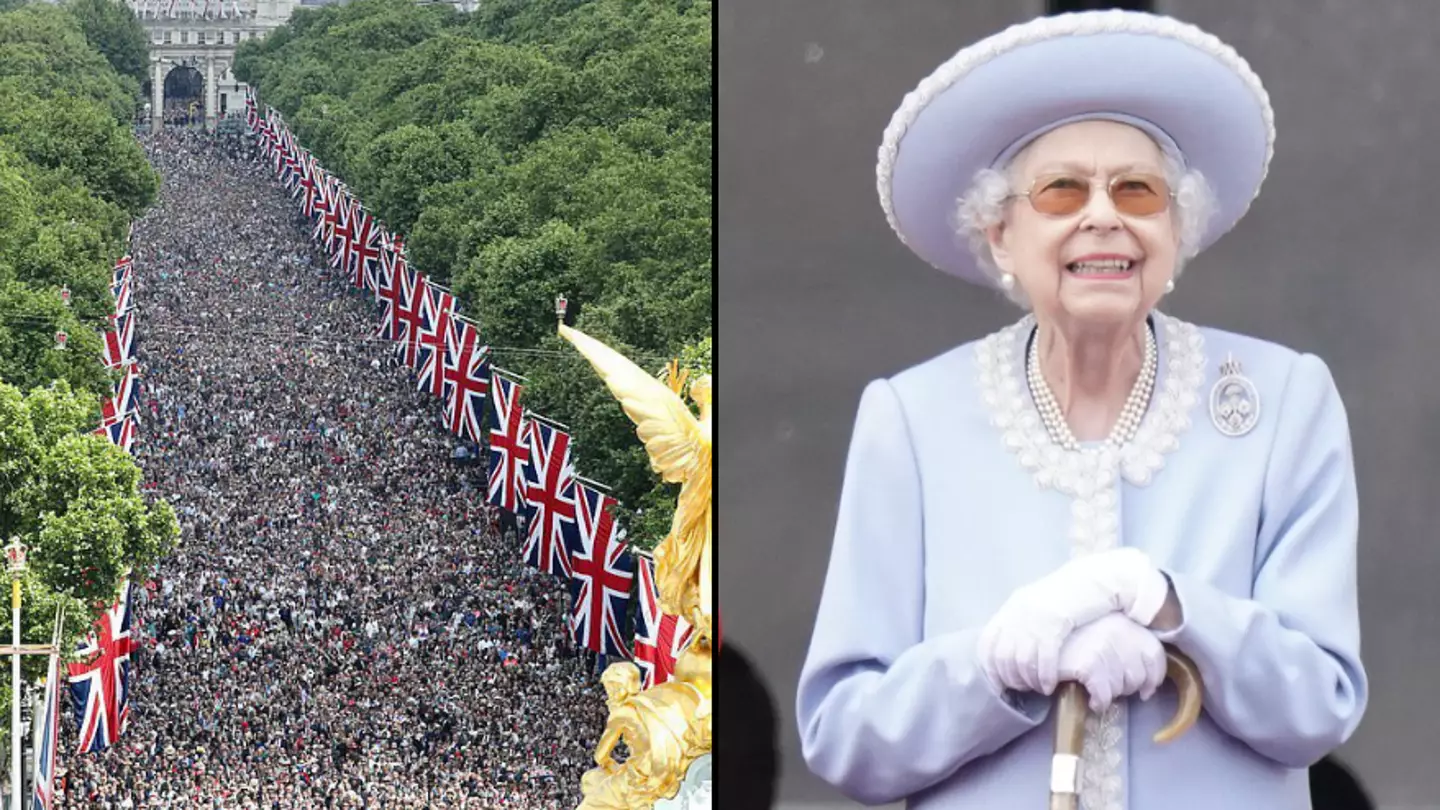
[{"x": 1071, "y": 705}]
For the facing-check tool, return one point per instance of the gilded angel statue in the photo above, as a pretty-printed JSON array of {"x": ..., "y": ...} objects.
[
  {"x": 666, "y": 728},
  {"x": 679, "y": 447}
]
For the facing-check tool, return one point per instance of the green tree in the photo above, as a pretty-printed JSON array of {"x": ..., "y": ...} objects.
[
  {"x": 112, "y": 29},
  {"x": 29, "y": 319},
  {"x": 71, "y": 179},
  {"x": 79, "y": 140},
  {"x": 44, "y": 53},
  {"x": 17, "y": 206},
  {"x": 404, "y": 163},
  {"x": 75, "y": 500}
]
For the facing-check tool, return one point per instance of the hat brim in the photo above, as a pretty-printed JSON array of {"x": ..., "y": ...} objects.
[{"x": 1169, "y": 77}]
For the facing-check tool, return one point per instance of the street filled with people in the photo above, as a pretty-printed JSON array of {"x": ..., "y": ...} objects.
[{"x": 343, "y": 624}]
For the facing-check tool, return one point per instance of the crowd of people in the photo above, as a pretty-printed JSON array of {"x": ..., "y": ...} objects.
[{"x": 343, "y": 624}]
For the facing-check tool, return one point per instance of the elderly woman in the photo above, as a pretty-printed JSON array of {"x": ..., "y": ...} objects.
[{"x": 1057, "y": 500}]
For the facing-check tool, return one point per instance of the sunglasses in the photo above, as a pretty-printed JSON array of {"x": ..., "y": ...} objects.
[{"x": 1136, "y": 195}]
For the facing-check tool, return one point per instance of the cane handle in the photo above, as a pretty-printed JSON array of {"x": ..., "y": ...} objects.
[{"x": 1072, "y": 704}]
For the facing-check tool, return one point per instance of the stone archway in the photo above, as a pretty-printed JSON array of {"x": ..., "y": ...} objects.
[
  {"x": 182, "y": 90},
  {"x": 184, "y": 98}
]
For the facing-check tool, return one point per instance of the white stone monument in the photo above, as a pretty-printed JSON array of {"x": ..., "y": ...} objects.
[{"x": 201, "y": 35}]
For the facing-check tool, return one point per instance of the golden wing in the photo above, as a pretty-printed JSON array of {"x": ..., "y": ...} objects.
[
  {"x": 675, "y": 377},
  {"x": 672, "y": 435}
]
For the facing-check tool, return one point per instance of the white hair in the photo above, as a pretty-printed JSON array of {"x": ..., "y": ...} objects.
[{"x": 983, "y": 205}]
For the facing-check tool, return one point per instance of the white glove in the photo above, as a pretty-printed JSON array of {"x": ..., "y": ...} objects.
[
  {"x": 1113, "y": 657},
  {"x": 1020, "y": 647}
]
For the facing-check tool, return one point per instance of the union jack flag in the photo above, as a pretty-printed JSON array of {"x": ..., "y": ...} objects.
[
  {"x": 282, "y": 138},
  {"x": 509, "y": 453},
  {"x": 122, "y": 270},
  {"x": 418, "y": 316},
  {"x": 252, "y": 115},
  {"x": 434, "y": 339},
  {"x": 126, "y": 399},
  {"x": 290, "y": 171},
  {"x": 304, "y": 174},
  {"x": 392, "y": 266},
  {"x": 302, "y": 171},
  {"x": 550, "y": 492},
  {"x": 120, "y": 340},
  {"x": 100, "y": 683},
  {"x": 309, "y": 168},
  {"x": 48, "y": 725},
  {"x": 326, "y": 203},
  {"x": 602, "y": 570},
  {"x": 467, "y": 381},
  {"x": 365, "y": 250},
  {"x": 121, "y": 292},
  {"x": 404, "y": 314},
  {"x": 659, "y": 637},
  {"x": 273, "y": 130},
  {"x": 341, "y": 217},
  {"x": 314, "y": 189},
  {"x": 430, "y": 371},
  {"x": 120, "y": 432},
  {"x": 269, "y": 136}
]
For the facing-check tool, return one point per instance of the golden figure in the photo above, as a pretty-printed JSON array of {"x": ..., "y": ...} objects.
[
  {"x": 665, "y": 727},
  {"x": 655, "y": 725},
  {"x": 679, "y": 449}
]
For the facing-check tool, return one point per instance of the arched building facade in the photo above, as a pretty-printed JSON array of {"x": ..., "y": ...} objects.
[{"x": 192, "y": 53}]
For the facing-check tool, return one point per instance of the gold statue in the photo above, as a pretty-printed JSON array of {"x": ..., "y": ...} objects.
[
  {"x": 666, "y": 727},
  {"x": 679, "y": 448},
  {"x": 655, "y": 725}
]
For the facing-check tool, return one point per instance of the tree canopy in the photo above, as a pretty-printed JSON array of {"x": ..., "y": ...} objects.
[
  {"x": 112, "y": 29},
  {"x": 75, "y": 499},
  {"x": 528, "y": 150},
  {"x": 71, "y": 179}
]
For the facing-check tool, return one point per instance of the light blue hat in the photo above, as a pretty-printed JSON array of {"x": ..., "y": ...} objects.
[{"x": 1188, "y": 90}]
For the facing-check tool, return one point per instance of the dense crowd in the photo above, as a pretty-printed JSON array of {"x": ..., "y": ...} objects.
[{"x": 343, "y": 624}]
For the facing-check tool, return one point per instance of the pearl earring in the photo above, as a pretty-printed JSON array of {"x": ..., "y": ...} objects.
[
  {"x": 1007, "y": 281},
  {"x": 1170, "y": 286}
]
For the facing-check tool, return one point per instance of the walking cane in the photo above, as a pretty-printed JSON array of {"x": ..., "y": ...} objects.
[{"x": 1073, "y": 702}]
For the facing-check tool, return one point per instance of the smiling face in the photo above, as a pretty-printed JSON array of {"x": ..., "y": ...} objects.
[{"x": 1106, "y": 257}]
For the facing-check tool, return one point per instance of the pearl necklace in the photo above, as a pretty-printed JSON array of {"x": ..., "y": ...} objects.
[{"x": 1130, "y": 416}]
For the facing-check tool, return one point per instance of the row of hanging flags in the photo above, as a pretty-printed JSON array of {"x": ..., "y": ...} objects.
[
  {"x": 570, "y": 531},
  {"x": 99, "y": 677},
  {"x": 193, "y": 9},
  {"x": 99, "y": 684},
  {"x": 99, "y": 680},
  {"x": 119, "y": 413}
]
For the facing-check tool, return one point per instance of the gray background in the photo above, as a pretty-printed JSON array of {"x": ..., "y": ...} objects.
[{"x": 1339, "y": 256}]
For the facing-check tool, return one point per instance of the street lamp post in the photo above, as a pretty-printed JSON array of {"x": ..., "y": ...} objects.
[{"x": 15, "y": 556}]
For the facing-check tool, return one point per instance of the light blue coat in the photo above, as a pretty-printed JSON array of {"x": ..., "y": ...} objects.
[{"x": 954, "y": 496}]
